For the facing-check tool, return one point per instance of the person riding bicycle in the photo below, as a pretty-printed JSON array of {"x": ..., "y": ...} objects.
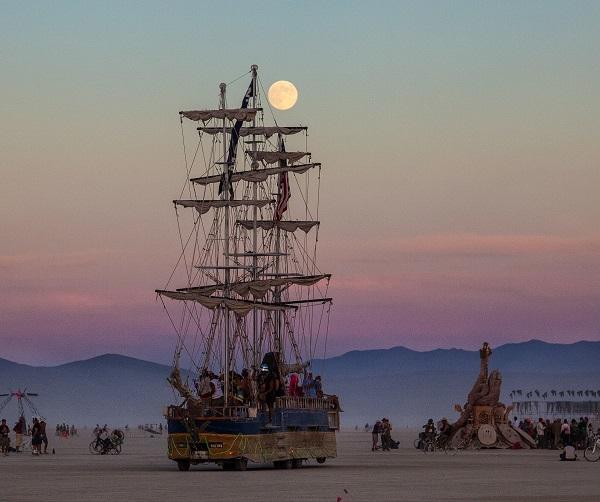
[
  {"x": 444, "y": 430},
  {"x": 429, "y": 431},
  {"x": 102, "y": 439}
]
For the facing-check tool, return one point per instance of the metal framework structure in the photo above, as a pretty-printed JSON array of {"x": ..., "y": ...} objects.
[{"x": 22, "y": 396}]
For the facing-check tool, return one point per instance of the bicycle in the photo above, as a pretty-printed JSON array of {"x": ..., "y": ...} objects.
[
  {"x": 111, "y": 445},
  {"x": 96, "y": 446},
  {"x": 445, "y": 443},
  {"x": 429, "y": 443},
  {"x": 592, "y": 452},
  {"x": 423, "y": 442}
]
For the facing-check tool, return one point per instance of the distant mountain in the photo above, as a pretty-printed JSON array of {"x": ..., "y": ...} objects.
[
  {"x": 526, "y": 356},
  {"x": 406, "y": 385},
  {"x": 109, "y": 388},
  {"x": 410, "y": 386}
]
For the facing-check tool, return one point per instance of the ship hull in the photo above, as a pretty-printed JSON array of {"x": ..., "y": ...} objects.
[{"x": 292, "y": 436}]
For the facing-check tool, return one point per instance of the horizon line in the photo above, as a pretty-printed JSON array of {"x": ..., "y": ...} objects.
[{"x": 105, "y": 354}]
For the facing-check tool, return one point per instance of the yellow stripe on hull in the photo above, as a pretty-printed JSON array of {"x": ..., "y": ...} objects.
[{"x": 261, "y": 448}]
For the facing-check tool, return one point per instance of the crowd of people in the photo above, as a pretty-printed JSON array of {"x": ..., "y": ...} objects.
[
  {"x": 557, "y": 433},
  {"x": 152, "y": 428},
  {"x": 265, "y": 383},
  {"x": 65, "y": 430},
  {"x": 36, "y": 431}
]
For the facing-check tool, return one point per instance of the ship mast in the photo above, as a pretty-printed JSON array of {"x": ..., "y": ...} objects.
[
  {"x": 225, "y": 192},
  {"x": 260, "y": 285},
  {"x": 277, "y": 290},
  {"x": 254, "y": 166}
]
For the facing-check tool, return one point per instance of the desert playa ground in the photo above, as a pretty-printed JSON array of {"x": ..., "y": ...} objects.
[{"x": 143, "y": 473}]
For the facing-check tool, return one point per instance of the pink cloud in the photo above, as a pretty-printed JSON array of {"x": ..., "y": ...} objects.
[
  {"x": 470, "y": 245},
  {"x": 451, "y": 290},
  {"x": 83, "y": 280},
  {"x": 74, "y": 259},
  {"x": 423, "y": 291}
]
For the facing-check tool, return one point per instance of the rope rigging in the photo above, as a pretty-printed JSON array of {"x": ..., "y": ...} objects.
[{"x": 202, "y": 258}]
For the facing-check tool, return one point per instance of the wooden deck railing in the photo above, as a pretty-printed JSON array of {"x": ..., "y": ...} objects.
[{"x": 310, "y": 403}]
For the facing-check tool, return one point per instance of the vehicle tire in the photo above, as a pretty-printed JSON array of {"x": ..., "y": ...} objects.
[
  {"x": 228, "y": 465},
  {"x": 592, "y": 453},
  {"x": 183, "y": 465},
  {"x": 321, "y": 460},
  {"x": 240, "y": 464},
  {"x": 296, "y": 463},
  {"x": 418, "y": 444}
]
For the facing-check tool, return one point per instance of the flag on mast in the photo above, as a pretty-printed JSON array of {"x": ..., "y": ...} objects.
[
  {"x": 233, "y": 142},
  {"x": 283, "y": 196}
]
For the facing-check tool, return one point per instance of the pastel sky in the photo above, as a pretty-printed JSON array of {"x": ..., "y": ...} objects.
[{"x": 460, "y": 144}]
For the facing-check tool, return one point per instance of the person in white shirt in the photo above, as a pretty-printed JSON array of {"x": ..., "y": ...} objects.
[
  {"x": 203, "y": 385},
  {"x": 539, "y": 431},
  {"x": 565, "y": 433},
  {"x": 569, "y": 453},
  {"x": 216, "y": 397}
]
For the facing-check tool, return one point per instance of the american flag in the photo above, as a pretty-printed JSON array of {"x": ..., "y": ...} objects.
[{"x": 284, "y": 187}]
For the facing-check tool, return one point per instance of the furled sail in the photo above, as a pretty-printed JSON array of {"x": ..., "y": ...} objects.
[
  {"x": 272, "y": 157},
  {"x": 245, "y": 114},
  {"x": 256, "y": 176},
  {"x": 287, "y": 226},
  {"x": 267, "y": 132},
  {"x": 203, "y": 206},
  {"x": 259, "y": 287},
  {"x": 240, "y": 307}
]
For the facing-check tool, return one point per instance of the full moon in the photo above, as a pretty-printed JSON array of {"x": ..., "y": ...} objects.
[{"x": 283, "y": 95}]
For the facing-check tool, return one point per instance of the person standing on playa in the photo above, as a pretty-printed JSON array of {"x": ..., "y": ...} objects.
[
  {"x": 556, "y": 426},
  {"x": 4, "y": 438},
  {"x": 386, "y": 434},
  {"x": 565, "y": 432},
  {"x": 539, "y": 432},
  {"x": 43, "y": 437},
  {"x": 36, "y": 439},
  {"x": 375, "y": 433},
  {"x": 19, "y": 429}
]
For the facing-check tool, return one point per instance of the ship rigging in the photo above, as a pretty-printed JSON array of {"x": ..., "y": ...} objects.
[{"x": 253, "y": 308}]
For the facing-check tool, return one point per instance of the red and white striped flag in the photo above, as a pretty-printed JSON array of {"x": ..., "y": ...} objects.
[{"x": 283, "y": 196}]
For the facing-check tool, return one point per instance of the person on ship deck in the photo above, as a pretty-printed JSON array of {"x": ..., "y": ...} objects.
[
  {"x": 294, "y": 388},
  {"x": 216, "y": 392},
  {"x": 203, "y": 385},
  {"x": 245, "y": 386},
  {"x": 270, "y": 385}
]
